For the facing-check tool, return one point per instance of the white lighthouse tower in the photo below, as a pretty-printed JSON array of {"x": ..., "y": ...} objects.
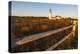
[{"x": 50, "y": 14}]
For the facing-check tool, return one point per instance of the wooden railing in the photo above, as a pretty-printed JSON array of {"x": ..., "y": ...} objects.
[
  {"x": 34, "y": 37},
  {"x": 40, "y": 35},
  {"x": 61, "y": 41}
]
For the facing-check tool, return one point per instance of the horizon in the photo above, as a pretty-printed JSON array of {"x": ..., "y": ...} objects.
[{"x": 42, "y": 9}]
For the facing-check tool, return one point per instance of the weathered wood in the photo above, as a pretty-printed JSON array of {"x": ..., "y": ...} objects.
[
  {"x": 40, "y": 35},
  {"x": 58, "y": 43}
]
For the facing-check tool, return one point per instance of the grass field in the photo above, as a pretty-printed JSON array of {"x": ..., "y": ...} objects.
[
  {"x": 21, "y": 26},
  {"x": 25, "y": 26}
]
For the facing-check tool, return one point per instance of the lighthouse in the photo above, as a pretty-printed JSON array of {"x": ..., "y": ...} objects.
[{"x": 50, "y": 14}]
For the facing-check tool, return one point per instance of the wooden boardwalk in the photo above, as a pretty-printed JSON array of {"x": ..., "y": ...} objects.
[
  {"x": 40, "y": 35},
  {"x": 58, "y": 43}
]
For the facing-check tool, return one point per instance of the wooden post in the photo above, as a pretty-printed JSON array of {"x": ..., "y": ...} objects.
[{"x": 74, "y": 27}]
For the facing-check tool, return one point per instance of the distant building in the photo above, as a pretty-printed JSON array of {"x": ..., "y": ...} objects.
[
  {"x": 55, "y": 17},
  {"x": 50, "y": 14},
  {"x": 58, "y": 17}
]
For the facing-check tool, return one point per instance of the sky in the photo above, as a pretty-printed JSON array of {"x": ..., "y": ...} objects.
[{"x": 42, "y": 9}]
